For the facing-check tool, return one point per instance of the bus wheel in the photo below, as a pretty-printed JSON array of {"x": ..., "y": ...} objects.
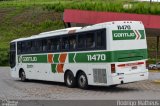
[
  {"x": 82, "y": 80},
  {"x": 23, "y": 76},
  {"x": 70, "y": 80},
  {"x": 113, "y": 86}
]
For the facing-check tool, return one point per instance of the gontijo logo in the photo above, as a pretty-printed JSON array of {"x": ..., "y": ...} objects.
[
  {"x": 128, "y": 34},
  {"x": 27, "y": 59}
]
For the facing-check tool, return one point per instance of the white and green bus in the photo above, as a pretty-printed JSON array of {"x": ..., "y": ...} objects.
[{"x": 105, "y": 54}]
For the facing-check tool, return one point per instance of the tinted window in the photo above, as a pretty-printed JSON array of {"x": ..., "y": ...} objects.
[
  {"x": 44, "y": 45},
  {"x": 19, "y": 47},
  {"x": 65, "y": 43},
  {"x": 36, "y": 46},
  {"x": 24, "y": 47},
  {"x": 12, "y": 55},
  {"x": 90, "y": 40},
  {"x": 72, "y": 42},
  {"x": 27, "y": 47},
  {"x": 81, "y": 41},
  {"x": 100, "y": 39}
]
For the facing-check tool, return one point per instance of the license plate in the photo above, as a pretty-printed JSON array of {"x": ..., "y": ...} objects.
[{"x": 134, "y": 67}]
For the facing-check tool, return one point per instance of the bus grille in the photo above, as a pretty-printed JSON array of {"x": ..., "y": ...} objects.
[{"x": 99, "y": 75}]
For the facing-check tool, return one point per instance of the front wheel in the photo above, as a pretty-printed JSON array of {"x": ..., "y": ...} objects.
[
  {"x": 23, "y": 76},
  {"x": 82, "y": 80}
]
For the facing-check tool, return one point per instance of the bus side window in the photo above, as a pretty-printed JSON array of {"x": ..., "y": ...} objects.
[
  {"x": 100, "y": 39},
  {"x": 36, "y": 46},
  {"x": 72, "y": 42},
  {"x": 65, "y": 43},
  {"x": 33, "y": 46},
  {"x": 81, "y": 41},
  {"x": 19, "y": 44},
  {"x": 90, "y": 41},
  {"x": 39, "y": 46},
  {"x": 49, "y": 45},
  {"x": 23, "y": 47},
  {"x": 44, "y": 45},
  {"x": 58, "y": 44},
  {"x": 52, "y": 45}
]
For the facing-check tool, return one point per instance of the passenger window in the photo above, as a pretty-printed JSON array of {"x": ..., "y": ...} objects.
[
  {"x": 58, "y": 44},
  {"x": 19, "y": 48},
  {"x": 33, "y": 46},
  {"x": 72, "y": 42},
  {"x": 53, "y": 44},
  {"x": 37, "y": 46},
  {"x": 90, "y": 41},
  {"x": 100, "y": 39},
  {"x": 44, "y": 45},
  {"x": 81, "y": 41},
  {"x": 24, "y": 47},
  {"x": 49, "y": 44},
  {"x": 65, "y": 43}
]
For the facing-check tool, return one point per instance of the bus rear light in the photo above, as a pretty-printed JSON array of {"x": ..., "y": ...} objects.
[
  {"x": 130, "y": 64},
  {"x": 121, "y": 65},
  {"x": 113, "y": 68},
  {"x": 139, "y": 63}
]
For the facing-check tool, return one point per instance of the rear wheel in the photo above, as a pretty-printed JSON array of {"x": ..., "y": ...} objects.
[
  {"x": 23, "y": 76},
  {"x": 82, "y": 80},
  {"x": 113, "y": 86},
  {"x": 70, "y": 80}
]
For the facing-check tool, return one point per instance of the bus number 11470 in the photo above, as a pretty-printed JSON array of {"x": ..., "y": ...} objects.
[{"x": 96, "y": 57}]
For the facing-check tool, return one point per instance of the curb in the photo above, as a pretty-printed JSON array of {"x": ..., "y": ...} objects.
[{"x": 157, "y": 81}]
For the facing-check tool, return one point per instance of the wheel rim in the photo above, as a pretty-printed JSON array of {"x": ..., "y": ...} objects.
[
  {"x": 23, "y": 76},
  {"x": 82, "y": 80},
  {"x": 69, "y": 80}
]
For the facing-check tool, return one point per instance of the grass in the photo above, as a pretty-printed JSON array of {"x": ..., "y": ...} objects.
[
  {"x": 22, "y": 18},
  {"x": 154, "y": 70},
  {"x": 96, "y": 5},
  {"x": 23, "y": 22}
]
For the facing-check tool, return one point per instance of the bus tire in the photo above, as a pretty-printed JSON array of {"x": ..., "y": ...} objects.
[
  {"x": 69, "y": 79},
  {"x": 82, "y": 80},
  {"x": 113, "y": 86},
  {"x": 23, "y": 76}
]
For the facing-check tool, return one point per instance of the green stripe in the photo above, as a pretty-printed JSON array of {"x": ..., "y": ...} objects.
[
  {"x": 71, "y": 56},
  {"x": 53, "y": 67},
  {"x": 91, "y": 57},
  {"x": 110, "y": 56},
  {"x": 33, "y": 59},
  {"x": 56, "y": 56}
]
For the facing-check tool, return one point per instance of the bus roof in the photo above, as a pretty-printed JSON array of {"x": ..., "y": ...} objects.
[{"x": 72, "y": 30}]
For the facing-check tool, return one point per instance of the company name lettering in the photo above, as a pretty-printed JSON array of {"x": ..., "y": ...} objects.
[
  {"x": 24, "y": 59},
  {"x": 124, "y": 35}
]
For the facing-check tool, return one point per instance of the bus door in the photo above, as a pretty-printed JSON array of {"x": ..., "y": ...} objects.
[{"x": 12, "y": 55}]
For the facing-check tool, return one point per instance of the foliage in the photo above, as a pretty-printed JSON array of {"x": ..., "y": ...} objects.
[
  {"x": 22, "y": 18},
  {"x": 4, "y": 57}
]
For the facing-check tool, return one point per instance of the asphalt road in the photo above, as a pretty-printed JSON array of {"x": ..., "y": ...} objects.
[{"x": 14, "y": 89}]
